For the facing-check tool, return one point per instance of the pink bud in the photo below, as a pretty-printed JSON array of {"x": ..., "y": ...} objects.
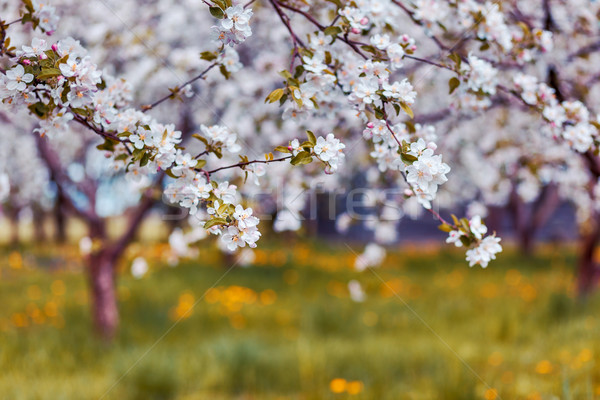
[
  {"x": 413, "y": 47},
  {"x": 290, "y": 148},
  {"x": 43, "y": 56},
  {"x": 370, "y": 125},
  {"x": 405, "y": 38},
  {"x": 364, "y": 21},
  {"x": 55, "y": 47},
  {"x": 49, "y": 33},
  {"x": 408, "y": 192},
  {"x": 26, "y": 62},
  {"x": 355, "y": 30}
]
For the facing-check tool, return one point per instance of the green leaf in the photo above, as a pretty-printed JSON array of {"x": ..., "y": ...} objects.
[
  {"x": 285, "y": 74},
  {"x": 122, "y": 157},
  {"x": 108, "y": 145},
  {"x": 200, "y": 138},
  {"x": 171, "y": 174},
  {"x": 332, "y": 30},
  {"x": 408, "y": 159},
  {"x": 303, "y": 157},
  {"x": 215, "y": 221},
  {"x": 48, "y": 73},
  {"x": 208, "y": 56},
  {"x": 465, "y": 240},
  {"x": 457, "y": 60},
  {"x": 217, "y": 12},
  {"x": 145, "y": 159},
  {"x": 224, "y": 72},
  {"x": 455, "y": 220},
  {"x": 453, "y": 84},
  {"x": 222, "y": 208},
  {"x": 407, "y": 110},
  {"x": 201, "y": 163},
  {"x": 338, "y": 3},
  {"x": 311, "y": 138},
  {"x": 445, "y": 228},
  {"x": 274, "y": 96},
  {"x": 369, "y": 49},
  {"x": 282, "y": 149}
]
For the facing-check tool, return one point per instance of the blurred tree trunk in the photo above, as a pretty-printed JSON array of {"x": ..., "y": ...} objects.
[
  {"x": 13, "y": 217},
  {"x": 60, "y": 218},
  {"x": 103, "y": 293},
  {"x": 39, "y": 229},
  {"x": 528, "y": 220},
  {"x": 587, "y": 274}
]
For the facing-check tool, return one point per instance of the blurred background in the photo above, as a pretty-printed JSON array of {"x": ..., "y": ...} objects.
[
  {"x": 295, "y": 320},
  {"x": 337, "y": 302}
]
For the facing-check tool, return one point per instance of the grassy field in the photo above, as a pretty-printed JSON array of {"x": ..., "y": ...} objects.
[{"x": 430, "y": 328}]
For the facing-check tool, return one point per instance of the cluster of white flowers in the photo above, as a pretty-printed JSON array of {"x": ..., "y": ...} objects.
[
  {"x": 476, "y": 227},
  {"x": 484, "y": 252},
  {"x": 236, "y": 225},
  {"x": 230, "y": 59},
  {"x": 330, "y": 151},
  {"x": 570, "y": 120},
  {"x": 494, "y": 26},
  {"x": 234, "y": 27},
  {"x": 481, "y": 75},
  {"x": 46, "y": 15},
  {"x": 485, "y": 248},
  {"x": 220, "y": 136},
  {"x": 427, "y": 172},
  {"x": 15, "y": 81},
  {"x": 246, "y": 231},
  {"x": 371, "y": 79}
]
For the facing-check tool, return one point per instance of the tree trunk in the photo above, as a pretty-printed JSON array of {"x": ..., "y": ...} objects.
[
  {"x": 15, "y": 237},
  {"x": 39, "y": 231},
  {"x": 587, "y": 274},
  {"x": 60, "y": 223},
  {"x": 103, "y": 293}
]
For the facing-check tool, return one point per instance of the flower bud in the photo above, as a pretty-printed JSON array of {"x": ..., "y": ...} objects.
[
  {"x": 26, "y": 62},
  {"x": 55, "y": 47},
  {"x": 370, "y": 125},
  {"x": 355, "y": 30},
  {"x": 364, "y": 21}
]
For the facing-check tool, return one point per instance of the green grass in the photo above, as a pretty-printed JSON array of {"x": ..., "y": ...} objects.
[{"x": 431, "y": 328}]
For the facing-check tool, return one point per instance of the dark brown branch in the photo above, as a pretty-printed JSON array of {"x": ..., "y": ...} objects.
[
  {"x": 171, "y": 95},
  {"x": 243, "y": 164}
]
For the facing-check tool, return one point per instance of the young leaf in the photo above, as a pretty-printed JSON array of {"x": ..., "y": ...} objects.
[
  {"x": 215, "y": 221},
  {"x": 274, "y": 95},
  {"x": 217, "y": 12},
  {"x": 303, "y": 157},
  {"x": 311, "y": 137},
  {"x": 282, "y": 149},
  {"x": 453, "y": 84},
  {"x": 407, "y": 110}
]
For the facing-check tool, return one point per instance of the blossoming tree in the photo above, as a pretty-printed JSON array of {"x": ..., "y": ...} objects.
[{"x": 340, "y": 95}]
